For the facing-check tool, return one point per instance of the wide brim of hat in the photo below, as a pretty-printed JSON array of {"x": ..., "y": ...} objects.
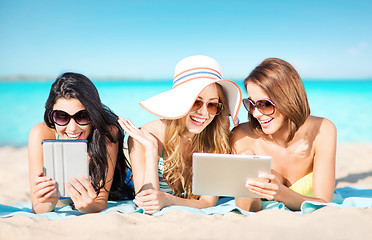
[{"x": 177, "y": 102}]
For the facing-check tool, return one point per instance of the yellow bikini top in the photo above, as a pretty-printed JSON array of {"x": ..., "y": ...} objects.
[{"x": 304, "y": 185}]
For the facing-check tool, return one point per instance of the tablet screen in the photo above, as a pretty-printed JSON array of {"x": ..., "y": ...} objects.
[
  {"x": 63, "y": 159},
  {"x": 226, "y": 174}
]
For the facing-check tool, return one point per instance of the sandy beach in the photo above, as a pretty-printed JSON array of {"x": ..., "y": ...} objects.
[{"x": 354, "y": 168}]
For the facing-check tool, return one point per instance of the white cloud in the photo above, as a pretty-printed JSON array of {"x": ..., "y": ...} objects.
[
  {"x": 354, "y": 52},
  {"x": 363, "y": 45},
  {"x": 358, "y": 50}
]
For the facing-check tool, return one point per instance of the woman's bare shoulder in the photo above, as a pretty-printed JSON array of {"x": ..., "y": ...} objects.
[
  {"x": 155, "y": 127},
  {"x": 41, "y": 131},
  {"x": 319, "y": 128},
  {"x": 242, "y": 139},
  {"x": 243, "y": 130},
  {"x": 323, "y": 124}
]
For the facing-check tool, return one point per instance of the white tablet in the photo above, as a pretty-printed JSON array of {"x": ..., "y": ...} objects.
[
  {"x": 226, "y": 174},
  {"x": 63, "y": 159}
]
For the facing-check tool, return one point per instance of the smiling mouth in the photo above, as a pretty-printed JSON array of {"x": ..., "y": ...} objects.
[
  {"x": 73, "y": 136},
  {"x": 198, "y": 121},
  {"x": 265, "y": 123}
]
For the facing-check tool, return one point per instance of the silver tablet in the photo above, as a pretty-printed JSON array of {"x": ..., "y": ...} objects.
[
  {"x": 63, "y": 159},
  {"x": 226, "y": 174}
]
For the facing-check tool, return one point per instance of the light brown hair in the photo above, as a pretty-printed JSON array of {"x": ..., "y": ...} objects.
[
  {"x": 284, "y": 87},
  {"x": 213, "y": 139}
]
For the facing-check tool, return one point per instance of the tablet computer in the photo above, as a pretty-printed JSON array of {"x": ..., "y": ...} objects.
[
  {"x": 226, "y": 174},
  {"x": 63, "y": 159}
]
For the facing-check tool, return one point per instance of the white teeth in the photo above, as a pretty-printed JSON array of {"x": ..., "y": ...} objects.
[
  {"x": 70, "y": 135},
  {"x": 199, "y": 120},
  {"x": 263, "y": 122}
]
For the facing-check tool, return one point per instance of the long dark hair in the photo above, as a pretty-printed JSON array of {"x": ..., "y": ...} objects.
[{"x": 103, "y": 120}]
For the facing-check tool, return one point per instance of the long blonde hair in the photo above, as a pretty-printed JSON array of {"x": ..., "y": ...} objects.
[{"x": 213, "y": 139}]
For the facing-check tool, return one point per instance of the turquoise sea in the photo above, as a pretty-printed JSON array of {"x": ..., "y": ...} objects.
[{"x": 347, "y": 103}]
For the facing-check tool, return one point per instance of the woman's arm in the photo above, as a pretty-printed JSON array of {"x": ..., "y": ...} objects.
[
  {"x": 152, "y": 201},
  {"x": 240, "y": 144},
  {"x": 41, "y": 187},
  {"x": 86, "y": 199},
  {"x": 144, "y": 157},
  {"x": 325, "y": 162},
  {"x": 323, "y": 168}
]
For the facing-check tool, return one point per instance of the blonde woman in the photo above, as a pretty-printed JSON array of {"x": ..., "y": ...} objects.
[
  {"x": 194, "y": 118},
  {"x": 302, "y": 146}
]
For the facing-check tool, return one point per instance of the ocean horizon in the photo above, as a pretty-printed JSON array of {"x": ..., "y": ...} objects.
[
  {"x": 343, "y": 101},
  {"x": 119, "y": 78}
]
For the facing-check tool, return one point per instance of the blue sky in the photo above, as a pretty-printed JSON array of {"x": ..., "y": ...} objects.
[{"x": 145, "y": 39}]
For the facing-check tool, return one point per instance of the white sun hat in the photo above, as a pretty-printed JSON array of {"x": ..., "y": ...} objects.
[{"x": 192, "y": 75}]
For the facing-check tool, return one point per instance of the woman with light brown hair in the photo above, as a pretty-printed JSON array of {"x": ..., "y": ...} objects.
[
  {"x": 194, "y": 118},
  {"x": 302, "y": 146}
]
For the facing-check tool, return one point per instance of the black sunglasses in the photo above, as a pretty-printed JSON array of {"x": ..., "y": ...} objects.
[
  {"x": 62, "y": 118},
  {"x": 213, "y": 108},
  {"x": 264, "y": 106}
]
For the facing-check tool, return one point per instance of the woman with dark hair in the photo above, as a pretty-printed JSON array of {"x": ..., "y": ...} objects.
[
  {"x": 302, "y": 146},
  {"x": 74, "y": 111}
]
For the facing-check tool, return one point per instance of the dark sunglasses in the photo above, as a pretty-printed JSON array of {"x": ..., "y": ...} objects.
[
  {"x": 62, "y": 118},
  {"x": 213, "y": 108},
  {"x": 264, "y": 106}
]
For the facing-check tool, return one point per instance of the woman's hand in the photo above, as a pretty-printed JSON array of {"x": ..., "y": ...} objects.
[
  {"x": 44, "y": 188},
  {"x": 82, "y": 196},
  {"x": 152, "y": 200},
  {"x": 267, "y": 186},
  {"x": 147, "y": 140}
]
